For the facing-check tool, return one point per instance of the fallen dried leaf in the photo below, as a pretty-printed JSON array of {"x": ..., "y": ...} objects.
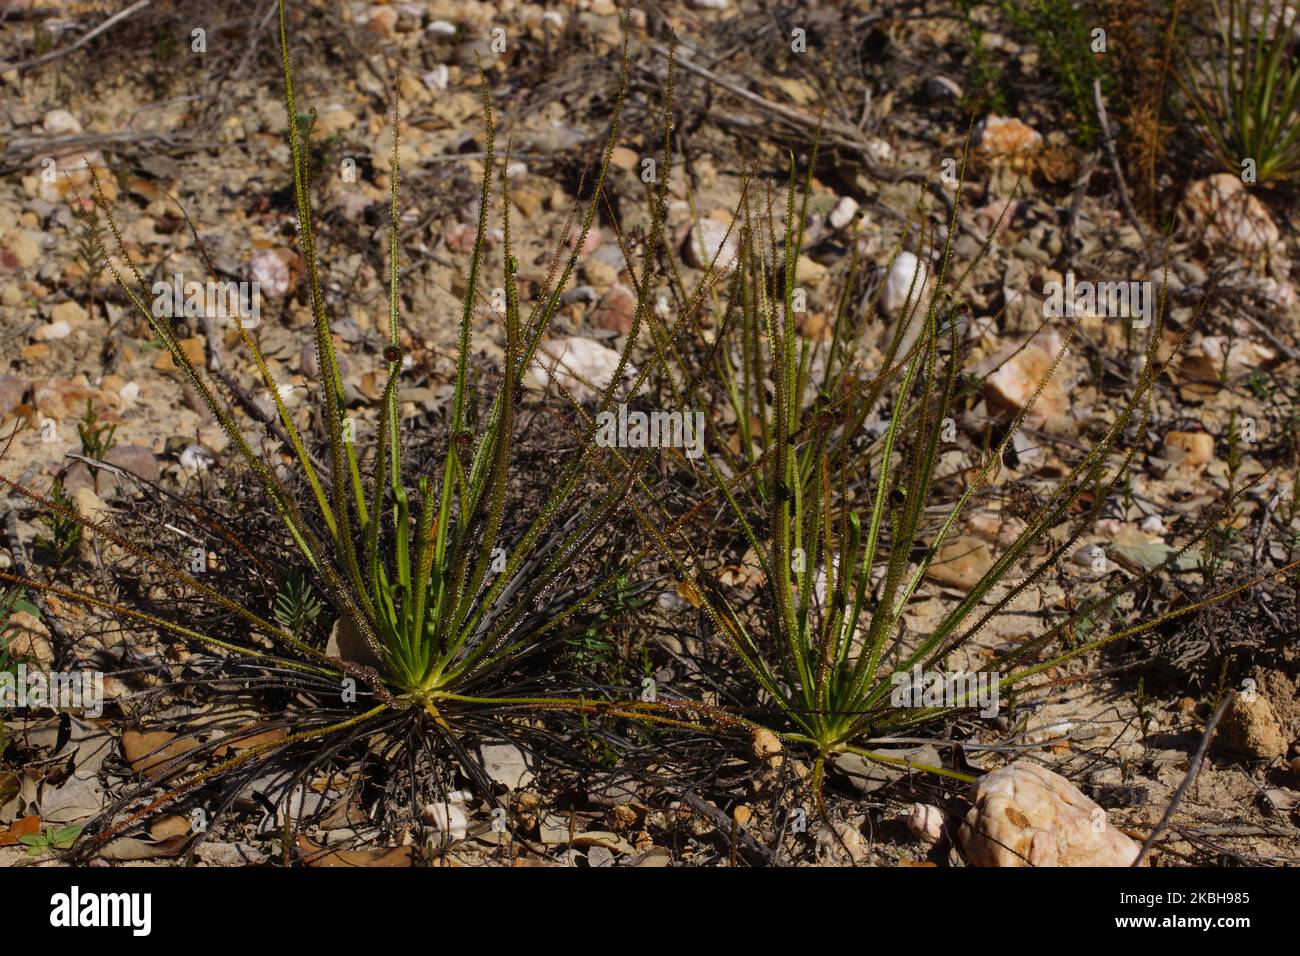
[
  {"x": 315, "y": 855},
  {"x": 150, "y": 754},
  {"x": 246, "y": 741},
  {"x": 21, "y": 828}
]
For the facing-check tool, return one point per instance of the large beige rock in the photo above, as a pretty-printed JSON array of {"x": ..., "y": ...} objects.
[
  {"x": 1203, "y": 362},
  {"x": 960, "y": 562},
  {"x": 348, "y": 644},
  {"x": 615, "y": 310},
  {"x": 711, "y": 244},
  {"x": 581, "y": 365},
  {"x": 69, "y": 312},
  {"x": 1251, "y": 728},
  {"x": 1025, "y": 815},
  {"x": 1226, "y": 217},
  {"x": 1009, "y": 389},
  {"x": 1191, "y": 448},
  {"x": 19, "y": 249},
  {"x": 60, "y": 398},
  {"x": 1007, "y": 140},
  {"x": 29, "y": 639}
]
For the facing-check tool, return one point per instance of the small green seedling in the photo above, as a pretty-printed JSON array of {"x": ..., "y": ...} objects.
[
  {"x": 52, "y": 838},
  {"x": 96, "y": 437}
]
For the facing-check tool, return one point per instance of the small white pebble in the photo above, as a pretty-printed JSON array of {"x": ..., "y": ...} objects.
[
  {"x": 880, "y": 150},
  {"x": 907, "y": 274},
  {"x": 196, "y": 458},
  {"x": 1092, "y": 557},
  {"x": 1153, "y": 524},
  {"x": 943, "y": 88},
  {"x": 448, "y": 816},
  {"x": 925, "y": 822},
  {"x": 843, "y": 212},
  {"x": 438, "y": 77},
  {"x": 54, "y": 330},
  {"x": 1109, "y": 527}
]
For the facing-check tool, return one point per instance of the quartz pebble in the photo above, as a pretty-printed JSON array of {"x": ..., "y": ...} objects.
[{"x": 1026, "y": 815}]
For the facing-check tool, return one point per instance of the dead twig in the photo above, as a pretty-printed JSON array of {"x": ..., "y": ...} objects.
[
  {"x": 245, "y": 401},
  {"x": 1127, "y": 203},
  {"x": 1187, "y": 782},
  {"x": 1076, "y": 203},
  {"x": 832, "y": 133},
  {"x": 1248, "y": 314},
  {"x": 256, "y": 40},
  {"x": 21, "y": 150},
  {"x": 725, "y": 823},
  {"x": 80, "y": 41},
  {"x": 22, "y": 565},
  {"x": 1263, "y": 526}
]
